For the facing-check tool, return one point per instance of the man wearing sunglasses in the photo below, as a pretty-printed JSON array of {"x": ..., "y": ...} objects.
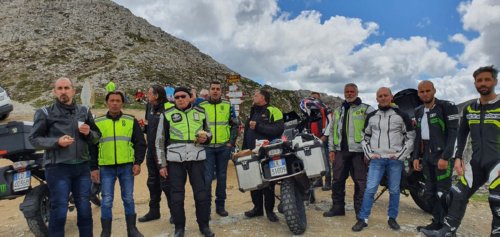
[{"x": 181, "y": 132}]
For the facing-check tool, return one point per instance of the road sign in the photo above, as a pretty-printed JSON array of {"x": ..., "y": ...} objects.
[
  {"x": 235, "y": 94},
  {"x": 233, "y": 88},
  {"x": 235, "y": 101},
  {"x": 233, "y": 78}
]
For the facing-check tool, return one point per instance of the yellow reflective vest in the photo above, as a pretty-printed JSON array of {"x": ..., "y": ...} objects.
[
  {"x": 115, "y": 145},
  {"x": 219, "y": 115}
]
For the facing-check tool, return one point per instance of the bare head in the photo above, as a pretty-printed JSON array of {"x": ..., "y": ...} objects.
[
  {"x": 485, "y": 80},
  {"x": 64, "y": 91},
  {"x": 350, "y": 92},
  {"x": 384, "y": 97},
  {"x": 426, "y": 92}
]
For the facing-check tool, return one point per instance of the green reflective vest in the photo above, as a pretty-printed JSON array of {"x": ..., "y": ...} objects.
[
  {"x": 168, "y": 105},
  {"x": 184, "y": 124},
  {"x": 275, "y": 113},
  {"x": 218, "y": 119},
  {"x": 356, "y": 117},
  {"x": 115, "y": 145}
]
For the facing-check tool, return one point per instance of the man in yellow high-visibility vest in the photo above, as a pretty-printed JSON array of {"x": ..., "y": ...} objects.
[
  {"x": 121, "y": 151},
  {"x": 224, "y": 127}
]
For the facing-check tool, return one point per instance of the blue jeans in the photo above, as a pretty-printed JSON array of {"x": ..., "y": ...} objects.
[
  {"x": 63, "y": 179},
  {"x": 108, "y": 176},
  {"x": 376, "y": 171},
  {"x": 217, "y": 160}
]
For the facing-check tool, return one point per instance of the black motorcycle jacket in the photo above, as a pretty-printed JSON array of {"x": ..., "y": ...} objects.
[
  {"x": 269, "y": 126},
  {"x": 52, "y": 122},
  {"x": 152, "y": 116},
  {"x": 443, "y": 124},
  {"x": 482, "y": 121}
]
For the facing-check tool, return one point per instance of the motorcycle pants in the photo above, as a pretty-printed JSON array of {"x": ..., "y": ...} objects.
[
  {"x": 346, "y": 163},
  {"x": 155, "y": 183},
  {"x": 474, "y": 177},
  {"x": 437, "y": 186}
]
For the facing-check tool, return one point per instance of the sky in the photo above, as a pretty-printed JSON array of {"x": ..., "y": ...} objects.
[{"x": 321, "y": 45}]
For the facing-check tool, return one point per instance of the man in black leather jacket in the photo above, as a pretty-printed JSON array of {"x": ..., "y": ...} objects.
[
  {"x": 437, "y": 124},
  {"x": 265, "y": 122},
  {"x": 65, "y": 130}
]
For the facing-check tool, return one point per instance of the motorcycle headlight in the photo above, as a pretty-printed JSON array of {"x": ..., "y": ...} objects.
[{"x": 274, "y": 152}]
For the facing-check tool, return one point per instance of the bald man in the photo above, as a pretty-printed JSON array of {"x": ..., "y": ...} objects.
[
  {"x": 388, "y": 139},
  {"x": 436, "y": 131},
  {"x": 65, "y": 130}
]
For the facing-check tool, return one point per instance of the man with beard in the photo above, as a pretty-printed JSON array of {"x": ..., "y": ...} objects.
[
  {"x": 65, "y": 130},
  {"x": 346, "y": 152},
  {"x": 437, "y": 123},
  {"x": 480, "y": 120},
  {"x": 224, "y": 128}
]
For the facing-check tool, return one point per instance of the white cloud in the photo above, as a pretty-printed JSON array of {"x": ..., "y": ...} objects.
[{"x": 258, "y": 40}]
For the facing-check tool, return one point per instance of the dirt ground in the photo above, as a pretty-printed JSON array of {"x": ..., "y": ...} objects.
[{"x": 477, "y": 219}]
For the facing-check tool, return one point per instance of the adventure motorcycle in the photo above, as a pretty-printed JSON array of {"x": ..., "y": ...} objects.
[{"x": 292, "y": 162}]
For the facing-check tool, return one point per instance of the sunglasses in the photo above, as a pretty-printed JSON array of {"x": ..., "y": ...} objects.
[{"x": 180, "y": 97}]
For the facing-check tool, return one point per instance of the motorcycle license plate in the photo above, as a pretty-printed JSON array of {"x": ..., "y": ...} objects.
[
  {"x": 22, "y": 181},
  {"x": 277, "y": 167}
]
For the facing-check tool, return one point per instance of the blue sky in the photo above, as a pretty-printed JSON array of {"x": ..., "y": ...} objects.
[
  {"x": 436, "y": 20},
  {"x": 321, "y": 45}
]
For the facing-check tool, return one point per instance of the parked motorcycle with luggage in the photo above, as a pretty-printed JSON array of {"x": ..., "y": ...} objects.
[
  {"x": 15, "y": 179},
  {"x": 290, "y": 162}
]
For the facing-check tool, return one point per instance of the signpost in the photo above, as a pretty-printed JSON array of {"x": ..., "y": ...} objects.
[{"x": 233, "y": 94}]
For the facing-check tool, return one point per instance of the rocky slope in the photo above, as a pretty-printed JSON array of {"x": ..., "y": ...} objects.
[{"x": 98, "y": 39}]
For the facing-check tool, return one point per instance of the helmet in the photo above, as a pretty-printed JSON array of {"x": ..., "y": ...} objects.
[{"x": 311, "y": 107}]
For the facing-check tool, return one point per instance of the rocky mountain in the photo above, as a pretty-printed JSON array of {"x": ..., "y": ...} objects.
[{"x": 41, "y": 40}]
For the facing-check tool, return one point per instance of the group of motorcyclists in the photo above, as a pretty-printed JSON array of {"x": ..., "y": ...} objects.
[{"x": 186, "y": 140}]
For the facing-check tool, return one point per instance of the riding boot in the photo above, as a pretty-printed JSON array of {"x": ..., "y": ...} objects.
[
  {"x": 132, "y": 230},
  {"x": 106, "y": 227}
]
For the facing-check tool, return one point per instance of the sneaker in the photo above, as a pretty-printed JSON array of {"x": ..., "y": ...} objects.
[
  {"x": 431, "y": 226},
  {"x": 254, "y": 213},
  {"x": 393, "y": 224},
  {"x": 359, "y": 226},
  {"x": 334, "y": 212}
]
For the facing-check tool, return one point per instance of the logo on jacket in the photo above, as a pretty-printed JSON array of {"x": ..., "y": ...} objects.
[
  {"x": 176, "y": 117},
  {"x": 196, "y": 116},
  {"x": 124, "y": 123}
]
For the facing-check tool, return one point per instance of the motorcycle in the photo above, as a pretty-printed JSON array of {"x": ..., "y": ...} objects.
[
  {"x": 293, "y": 162},
  {"x": 15, "y": 179}
]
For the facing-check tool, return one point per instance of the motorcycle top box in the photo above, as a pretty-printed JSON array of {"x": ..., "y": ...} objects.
[
  {"x": 14, "y": 137},
  {"x": 312, "y": 152},
  {"x": 249, "y": 173}
]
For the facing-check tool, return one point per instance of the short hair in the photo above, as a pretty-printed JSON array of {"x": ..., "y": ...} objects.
[
  {"x": 204, "y": 92},
  {"x": 159, "y": 91},
  {"x": 266, "y": 94},
  {"x": 214, "y": 82},
  {"x": 426, "y": 81},
  {"x": 351, "y": 85},
  {"x": 63, "y": 78},
  {"x": 115, "y": 93},
  {"x": 490, "y": 69},
  {"x": 386, "y": 88}
]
